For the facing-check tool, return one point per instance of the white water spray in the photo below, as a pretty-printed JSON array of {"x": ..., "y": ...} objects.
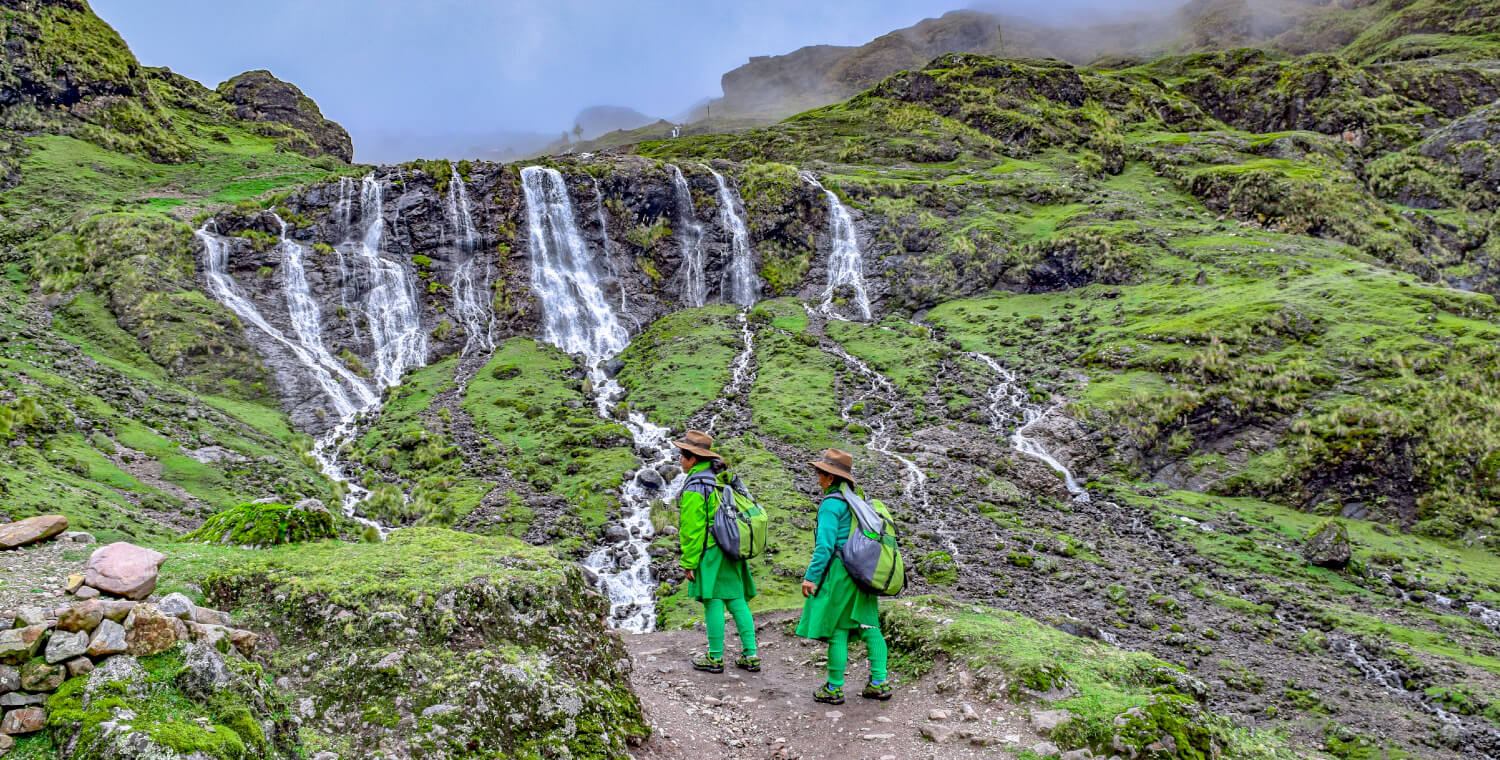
[
  {"x": 740, "y": 284},
  {"x": 579, "y": 320},
  {"x": 1008, "y": 403},
  {"x": 392, "y": 314},
  {"x": 694, "y": 284},
  {"x": 845, "y": 262},
  {"x": 470, "y": 283}
]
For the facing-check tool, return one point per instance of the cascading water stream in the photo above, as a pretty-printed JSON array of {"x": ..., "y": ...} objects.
[
  {"x": 740, "y": 285},
  {"x": 307, "y": 321},
  {"x": 609, "y": 254},
  {"x": 1008, "y": 403},
  {"x": 742, "y": 377},
  {"x": 392, "y": 313},
  {"x": 845, "y": 262},
  {"x": 470, "y": 283},
  {"x": 694, "y": 283},
  {"x": 578, "y": 319}
]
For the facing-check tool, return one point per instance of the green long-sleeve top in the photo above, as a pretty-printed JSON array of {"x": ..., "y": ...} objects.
[
  {"x": 692, "y": 530},
  {"x": 834, "y": 523}
]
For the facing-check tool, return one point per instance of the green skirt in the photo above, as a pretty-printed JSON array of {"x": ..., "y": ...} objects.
[
  {"x": 838, "y": 604},
  {"x": 720, "y": 577}
]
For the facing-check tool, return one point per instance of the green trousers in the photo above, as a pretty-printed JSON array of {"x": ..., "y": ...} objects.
[
  {"x": 744, "y": 625},
  {"x": 838, "y": 655}
]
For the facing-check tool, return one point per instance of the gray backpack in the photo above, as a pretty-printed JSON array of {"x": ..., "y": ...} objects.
[{"x": 871, "y": 555}]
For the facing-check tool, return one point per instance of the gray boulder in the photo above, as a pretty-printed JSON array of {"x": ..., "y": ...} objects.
[{"x": 1328, "y": 545}]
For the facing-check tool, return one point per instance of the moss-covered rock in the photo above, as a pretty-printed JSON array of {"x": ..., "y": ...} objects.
[
  {"x": 262, "y": 525},
  {"x": 1328, "y": 545},
  {"x": 445, "y": 644},
  {"x": 259, "y": 96}
]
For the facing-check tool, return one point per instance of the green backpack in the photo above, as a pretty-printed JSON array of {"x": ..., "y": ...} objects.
[
  {"x": 739, "y": 526},
  {"x": 871, "y": 555}
]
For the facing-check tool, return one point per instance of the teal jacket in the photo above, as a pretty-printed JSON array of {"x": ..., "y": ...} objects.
[{"x": 835, "y": 523}]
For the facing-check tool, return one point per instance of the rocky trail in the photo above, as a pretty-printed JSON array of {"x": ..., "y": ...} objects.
[{"x": 739, "y": 715}]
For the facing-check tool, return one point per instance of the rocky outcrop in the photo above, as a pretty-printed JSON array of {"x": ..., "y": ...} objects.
[
  {"x": 513, "y": 639},
  {"x": 259, "y": 96},
  {"x": 263, "y": 525}
]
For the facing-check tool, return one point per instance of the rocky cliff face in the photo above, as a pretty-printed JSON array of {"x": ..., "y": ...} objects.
[{"x": 259, "y": 96}]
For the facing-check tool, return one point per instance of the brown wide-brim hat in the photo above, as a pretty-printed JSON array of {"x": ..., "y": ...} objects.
[
  {"x": 698, "y": 443},
  {"x": 836, "y": 462}
]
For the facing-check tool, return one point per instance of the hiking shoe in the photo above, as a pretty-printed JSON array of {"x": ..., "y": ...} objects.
[
  {"x": 751, "y": 664},
  {"x": 709, "y": 664},
  {"x": 829, "y": 696},
  {"x": 880, "y": 691}
]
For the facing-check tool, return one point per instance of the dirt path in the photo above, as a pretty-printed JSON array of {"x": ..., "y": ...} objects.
[{"x": 771, "y": 714}]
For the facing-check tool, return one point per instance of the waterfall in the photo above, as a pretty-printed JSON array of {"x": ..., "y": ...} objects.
[
  {"x": 575, "y": 315},
  {"x": 307, "y": 321},
  {"x": 845, "y": 262},
  {"x": 578, "y": 319},
  {"x": 609, "y": 251},
  {"x": 392, "y": 313},
  {"x": 1008, "y": 402},
  {"x": 226, "y": 291},
  {"x": 694, "y": 285},
  {"x": 740, "y": 284},
  {"x": 471, "y": 302}
]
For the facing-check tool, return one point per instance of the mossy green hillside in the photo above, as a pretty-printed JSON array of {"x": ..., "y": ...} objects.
[
  {"x": 528, "y": 402},
  {"x": 1014, "y": 657},
  {"x": 1358, "y": 365},
  {"x": 409, "y": 451},
  {"x": 794, "y": 398},
  {"x": 681, "y": 362}
]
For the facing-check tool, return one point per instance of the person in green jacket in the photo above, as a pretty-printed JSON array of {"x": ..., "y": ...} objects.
[
  {"x": 834, "y": 606},
  {"x": 713, "y": 578}
]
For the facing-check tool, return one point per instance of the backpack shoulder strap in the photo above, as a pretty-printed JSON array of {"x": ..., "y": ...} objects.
[{"x": 864, "y": 514}]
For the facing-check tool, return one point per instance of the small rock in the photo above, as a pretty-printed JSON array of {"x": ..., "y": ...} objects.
[
  {"x": 148, "y": 631},
  {"x": 1045, "y": 749},
  {"x": 983, "y": 741},
  {"x": 38, "y": 676},
  {"x": 18, "y": 645},
  {"x": 877, "y": 737},
  {"x": 75, "y": 582},
  {"x": 108, "y": 639},
  {"x": 80, "y": 666},
  {"x": 938, "y": 715},
  {"x": 116, "y": 610},
  {"x": 31, "y": 530},
  {"x": 1044, "y": 722},
  {"x": 203, "y": 672},
  {"x": 1078, "y": 754},
  {"x": 65, "y": 645},
  {"x": 1328, "y": 545},
  {"x": 6, "y": 744},
  {"x": 967, "y": 712},
  {"x": 78, "y": 537},
  {"x": 207, "y": 616},
  {"x": 244, "y": 641},
  {"x": 938, "y": 732},
  {"x": 24, "y": 721},
  {"x": 10, "y": 679},
  {"x": 176, "y": 605},
  {"x": 650, "y": 479},
  {"x": 87, "y": 592},
  {"x": 30, "y": 616},
  {"x": 209, "y": 635},
  {"x": 84, "y": 616},
  {"x": 124, "y": 569},
  {"x": 18, "y": 699}
]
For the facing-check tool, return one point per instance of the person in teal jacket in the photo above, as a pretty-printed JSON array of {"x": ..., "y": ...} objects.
[
  {"x": 713, "y": 578},
  {"x": 834, "y": 606}
]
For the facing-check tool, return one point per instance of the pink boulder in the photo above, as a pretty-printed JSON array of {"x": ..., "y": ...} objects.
[{"x": 124, "y": 569}]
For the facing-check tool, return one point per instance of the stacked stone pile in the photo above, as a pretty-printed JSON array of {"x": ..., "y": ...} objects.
[{"x": 112, "y": 613}]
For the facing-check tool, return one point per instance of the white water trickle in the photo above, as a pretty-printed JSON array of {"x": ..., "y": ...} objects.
[
  {"x": 307, "y": 321},
  {"x": 392, "y": 313},
  {"x": 742, "y": 377},
  {"x": 579, "y": 320},
  {"x": 609, "y": 254},
  {"x": 1008, "y": 403},
  {"x": 740, "y": 284},
  {"x": 694, "y": 283},
  {"x": 845, "y": 262},
  {"x": 471, "y": 279}
]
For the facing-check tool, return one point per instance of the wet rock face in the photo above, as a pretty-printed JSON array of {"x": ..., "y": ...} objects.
[
  {"x": 1471, "y": 145},
  {"x": 259, "y": 96}
]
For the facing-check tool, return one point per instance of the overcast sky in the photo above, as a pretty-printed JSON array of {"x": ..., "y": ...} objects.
[{"x": 446, "y": 67}]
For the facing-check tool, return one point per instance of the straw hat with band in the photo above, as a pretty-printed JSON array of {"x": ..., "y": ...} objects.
[
  {"x": 697, "y": 443},
  {"x": 838, "y": 463}
]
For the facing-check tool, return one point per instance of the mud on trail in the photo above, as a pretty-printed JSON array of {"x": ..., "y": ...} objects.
[{"x": 771, "y": 715}]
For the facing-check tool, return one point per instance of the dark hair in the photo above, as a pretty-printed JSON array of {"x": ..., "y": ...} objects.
[{"x": 718, "y": 465}]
